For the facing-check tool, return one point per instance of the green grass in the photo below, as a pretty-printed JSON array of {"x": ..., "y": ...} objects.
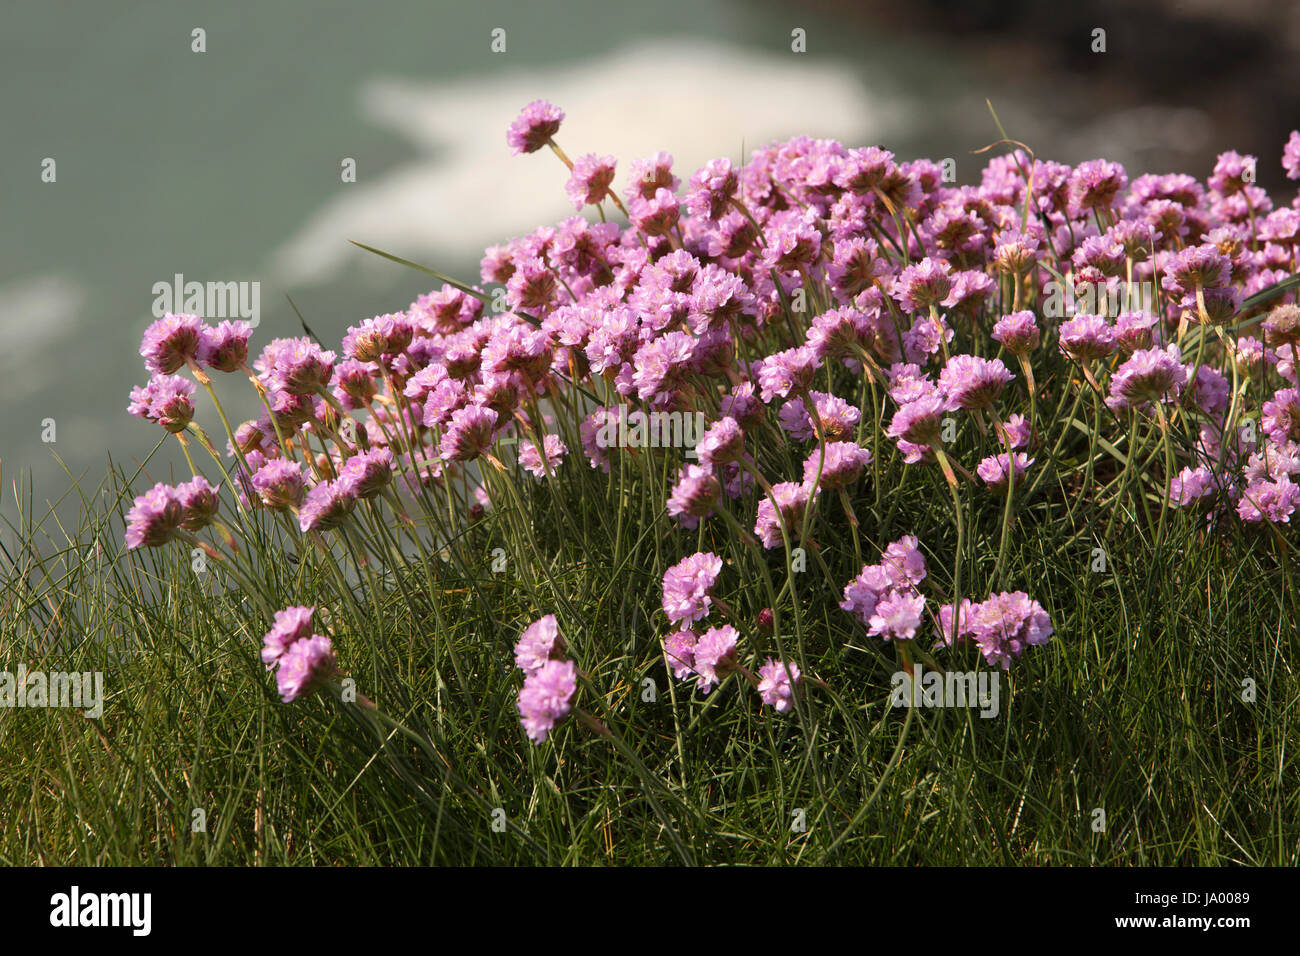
[{"x": 1135, "y": 706}]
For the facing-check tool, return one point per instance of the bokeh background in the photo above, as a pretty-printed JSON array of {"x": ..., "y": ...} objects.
[{"x": 225, "y": 165}]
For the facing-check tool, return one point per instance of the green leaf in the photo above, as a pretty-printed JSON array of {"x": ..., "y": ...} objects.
[{"x": 481, "y": 296}]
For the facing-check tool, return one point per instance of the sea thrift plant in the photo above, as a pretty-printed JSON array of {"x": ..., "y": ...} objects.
[{"x": 801, "y": 358}]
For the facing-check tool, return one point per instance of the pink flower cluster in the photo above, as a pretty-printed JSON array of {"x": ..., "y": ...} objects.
[
  {"x": 303, "y": 661},
  {"x": 752, "y": 299},
  {"x": 550, "y": 681},
  {"x": 710, "y": 657}
]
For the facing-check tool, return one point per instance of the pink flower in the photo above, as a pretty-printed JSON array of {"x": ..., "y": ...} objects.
[
  {"x": 694, "y": 495},
  {"x": 926, "y": 283},
  {"x": 368, "y": 472},
  {"x": 531, "y": 459},
  {"x": 792, "y": 500},
  {"x": 1017, "y": 332},
  {"x": 686, "y": 587},
  {"x": 533, "y": 127},
  {"x": 1148, "y": 375},
  {"x": 788, "y": 372},
  {"x": 656, "y": 215},
  {"x": 971, "y": 382},
  {"x": 305, "y": 667},
  {"x": 903, "y": 563},
  {"x": 225, "y": 348},
  {"x": 1006, "y": 624},
  {"x": 1191, "y": 485},
  {"x": 712, "y": 189},
  {"x": 291, "y": 625},
  {"x": 375, "y": 338},
  {"x": 679, "y": 653},
  {"x": 168, "y": 400},
  {"x": 546, "y": 697},
  {"x": 591, "y": 180},
  {"x": 199, "y": 503},
  {"x": 1273, "y": 501},
  {"x": 540, "y": 642},
  {"x": 469, "y": 434},
  {"x": 724, "y": 442},
  {"x": 944, "y": 630},
  {"x": 155, "y": 518},
  {"x": 897, "y": 616},
  {"x": 1087, "y": 337},
  {"x": 327, "y": 506},
  {"x": 279, "y": 483},
  {"x": 841, "y": 465},
  {"x": 863, "y": 593},
  {"x": 171, "y": 342},
  {"x": 776, "y": 684},
  {"x": 1291, "y": 156},
  {"x": 919, "y": 421},
  {"x": 994, "y": 470},
  {"x": 715, "y": 656}
]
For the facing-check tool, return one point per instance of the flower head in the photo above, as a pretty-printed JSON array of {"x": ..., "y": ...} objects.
[
  {"x": 591, "y": 179},
  {"x": 1017, "y": 332},
  {"x": 530, "y": 458},
  {"x": 1282, "y": 326},
  {"x": 776, "y": 684},
  {"x": 290, "y": 626},
  {"x": 1291, "y": 156},
  {"x": 1149, "y": 375},
  {"x": 679, "y": 653},
  {"x": 279, "y": 483},
  {"x": 723, "y": 443},
  {"x": 225, "y": 348},
  {"x": 1272, "y": 501},
  {"x": 897, "y": 616},
  {"x": 687, "y": 585},
  {"x": 1087, "y": 338},
  {"x": 199, "y": 502},
  {"x": 715, "y": 656},
  {"x": 923, "y": 284},
  {"x": 168, "y": 400},
  {"x": 540, "y": 642},
  {"x": 1095, "y": 184},
  {"x": 546, "y": 698},
  {"x": 971, "y": 382},
  {"x": 307, "y": 665},
  {"x": 533, "y": 127},
  {"x": 841, "y": 465},
  {"x": 171, "y": 342},
  {"x": 469, "y": 434},
  {"x": 366, "y": 473},
  {"x": 712, "y": 189},
  {"x": 694, "y": 495},
  {"x": 919, "y": 420},
  {"x": 791, "y": 503},
  {"x": 374, "y": 338},
  {"x": 327, "y": 505},
  {"x": 863, "y": 593},
  {"x": 155, "y": 518},
  {"x": 1007, "y": 623},
  {"x": 994, "y": 469}
]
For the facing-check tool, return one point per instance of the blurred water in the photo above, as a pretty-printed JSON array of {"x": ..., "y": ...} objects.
[{"x": 225, "y": 165}]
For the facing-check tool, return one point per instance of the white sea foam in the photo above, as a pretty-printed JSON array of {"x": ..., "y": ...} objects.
[{"x": 464, "y": 190}]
